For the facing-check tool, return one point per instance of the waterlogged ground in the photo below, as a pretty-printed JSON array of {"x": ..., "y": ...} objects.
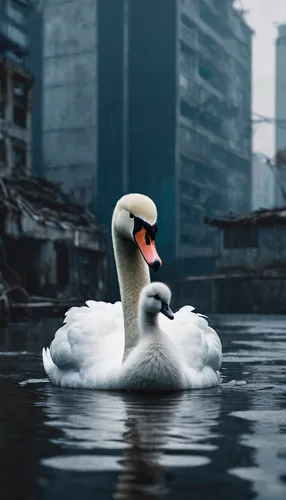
[{"x": 226, "y": 443}]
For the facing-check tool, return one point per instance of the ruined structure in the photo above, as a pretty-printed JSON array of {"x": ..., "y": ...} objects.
[
  {"x": 250, "y": 266},
  {"x": 50, "y": 247},
  {"x": 52, "y": 250}
]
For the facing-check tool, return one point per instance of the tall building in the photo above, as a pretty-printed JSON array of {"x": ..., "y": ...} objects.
[
  {"x": 151, "y": 98},
  {"x": 15, "y": 89},
  {"x": 281, "y": 115}
]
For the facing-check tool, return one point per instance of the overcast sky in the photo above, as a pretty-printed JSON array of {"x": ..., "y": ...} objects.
[{"x": 262, "y": 16}]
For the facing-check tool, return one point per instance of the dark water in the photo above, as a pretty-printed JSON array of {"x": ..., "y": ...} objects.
[{"x": 223, "y": 443}]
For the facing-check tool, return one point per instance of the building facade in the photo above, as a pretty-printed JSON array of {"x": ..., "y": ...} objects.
[
  {"x": 214, "y": 157},
  {"x": 155, "y": 100},
  {"x": 280, "y": 132},
  {"x": 15, "y": 90}
]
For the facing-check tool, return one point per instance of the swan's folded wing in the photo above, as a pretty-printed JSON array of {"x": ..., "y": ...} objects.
[
  {"x": 91, "y": 335},
  {"x": 198, "y": 343}
]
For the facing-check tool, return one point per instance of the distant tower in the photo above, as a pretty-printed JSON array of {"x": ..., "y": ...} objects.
[{"x": 281, "y": 110}]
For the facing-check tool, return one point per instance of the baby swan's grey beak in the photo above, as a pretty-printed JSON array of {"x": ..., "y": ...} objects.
[{"x": 167, "y": 311}]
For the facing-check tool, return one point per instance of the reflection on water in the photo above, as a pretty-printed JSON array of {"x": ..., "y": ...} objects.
[
  {"x": 269, "y": 442},
  {"x": 217, "y": 443},
  {"x": 139, "y": 437}
]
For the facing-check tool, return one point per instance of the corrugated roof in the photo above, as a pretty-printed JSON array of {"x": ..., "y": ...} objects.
[
  {"x": 262, "y": 217},
  {"x": 45, "y": 201}
]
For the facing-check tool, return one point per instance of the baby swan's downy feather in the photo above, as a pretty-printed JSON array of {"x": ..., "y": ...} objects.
[
  {"x": 153, "y": 365},
  {"x": 171, "y": 355}
]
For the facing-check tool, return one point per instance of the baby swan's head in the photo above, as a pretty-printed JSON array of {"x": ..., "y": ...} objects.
[{"x": 156, "y": 298}]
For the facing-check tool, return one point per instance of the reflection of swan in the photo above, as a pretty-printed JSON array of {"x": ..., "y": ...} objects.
[
  {"x": 143, "y": 475},
  {"x": 91, "y": 343},
  {"x": 88, "y": 350},
  {"x": 178, "y": 359},
  {"x": 181, "y": 423},
  {"x": 143, "y": 438}
]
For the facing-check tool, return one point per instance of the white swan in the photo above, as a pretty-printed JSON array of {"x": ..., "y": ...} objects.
[
  {"x": 88, "y": 350},
  {"x": 91, "y": 342},
  {"x": 170, "y": 356}
]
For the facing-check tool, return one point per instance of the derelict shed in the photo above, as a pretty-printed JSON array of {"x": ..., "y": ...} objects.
[{"x": 49, "y": 244}]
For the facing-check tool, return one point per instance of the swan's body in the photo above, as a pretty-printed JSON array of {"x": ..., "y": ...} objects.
[{"x": 91, "y": 351}]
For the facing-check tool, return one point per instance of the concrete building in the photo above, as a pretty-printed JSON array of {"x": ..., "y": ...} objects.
[
  {"x": 263, "y": 183},
  {"x": 281, "y": 113},
  {"x": 15, "y": 118},
  {"x": 155, "y": 100},
  {"x": 15, "y": 91},
  {"x": 63, "y": 248}
]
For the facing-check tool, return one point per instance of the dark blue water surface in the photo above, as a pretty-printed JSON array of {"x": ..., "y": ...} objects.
[{"x": 223, "y": 443}]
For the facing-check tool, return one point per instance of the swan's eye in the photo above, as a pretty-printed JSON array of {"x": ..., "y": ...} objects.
[
  {"x": 131, "y": 216},
  {"x": 157, "y": 297}
]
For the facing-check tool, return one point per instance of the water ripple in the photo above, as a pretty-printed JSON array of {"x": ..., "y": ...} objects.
[{"x": 90, "y": 444}]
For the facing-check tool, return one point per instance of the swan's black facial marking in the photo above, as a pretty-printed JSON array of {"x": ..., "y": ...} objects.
[
  {"x": 140, "y": 224},
  {"x": 144, "y": 237},
  {"x": 156, "y": 297},
  {"x": 147, "y": 239}
]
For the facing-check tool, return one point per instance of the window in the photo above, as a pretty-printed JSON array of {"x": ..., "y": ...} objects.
[
  {"x": 20, "y": 101},
  {"x": 20, "y": 93},
  {"x": 2, "y": 109},
  {"x": 204, "y": 72},
  {"x": 16, "y": 35},
  {"x": 19, "y": 117},
  {"x": 188, "y": 111},
  {"x": 240, "y": 237},
  {"x": 19, "y": 155},
  {"x": 187, "y": 65},
  {"x": 15, "y": 14},
  {"x": 2, "y": 151}
]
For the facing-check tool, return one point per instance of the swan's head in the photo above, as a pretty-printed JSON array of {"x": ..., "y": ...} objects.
[
  {"x": 156, "y": 298},
  {"x": 135, "y": 218}
]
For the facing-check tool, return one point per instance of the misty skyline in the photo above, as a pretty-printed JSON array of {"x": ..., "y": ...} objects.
[{"x": 262, "y": 16}]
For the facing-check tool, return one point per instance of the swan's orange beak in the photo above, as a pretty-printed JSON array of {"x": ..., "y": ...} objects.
[{"x": 148, "y": 249}]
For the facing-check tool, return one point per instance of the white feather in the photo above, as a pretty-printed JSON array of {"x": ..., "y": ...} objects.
[
  {"x": 87, "y": 350},
  {"x": 198, "y": 344}
]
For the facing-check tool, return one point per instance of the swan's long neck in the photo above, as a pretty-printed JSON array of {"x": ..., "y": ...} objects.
[
  {"x": 133, "y": 275},
  {"x": 148, "y": 322}
]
